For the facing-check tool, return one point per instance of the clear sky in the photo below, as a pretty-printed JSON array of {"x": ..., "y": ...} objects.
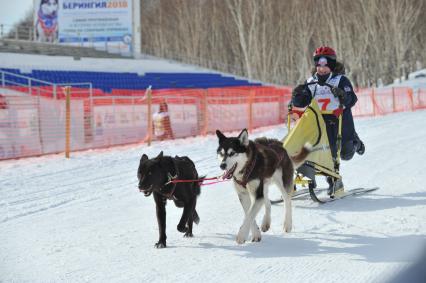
[{"x": 11, "y": 11}]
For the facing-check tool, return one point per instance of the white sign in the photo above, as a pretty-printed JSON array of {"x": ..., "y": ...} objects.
[{"x": 96, "y": 23}]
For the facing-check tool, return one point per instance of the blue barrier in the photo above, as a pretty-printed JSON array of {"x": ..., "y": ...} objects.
[{"x": 116, "y": 80}]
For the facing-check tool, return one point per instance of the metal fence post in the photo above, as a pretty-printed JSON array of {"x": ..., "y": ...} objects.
[
  {"x": 373, "y": 99},
  {"x": 149, "y": 118},
  {"x": 250, "y": 112},
  {"x": 40, "y": 130},
  {"x": 418, "y": 104},
  {"x": 393, "y": 100},
  {"x": 410, "y": 97},
  {"x": 67, "y": 121},
  {"x": 55, "y": 92},
  {"x": 204, "y": 113},
  {"x": 92, "y": 113},
  {"x": 30, "y": 88}
]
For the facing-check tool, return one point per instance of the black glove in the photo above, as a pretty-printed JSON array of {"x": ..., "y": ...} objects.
[
  {"x": 299, "y": 90},
  {"x": 339, "y": 93}
]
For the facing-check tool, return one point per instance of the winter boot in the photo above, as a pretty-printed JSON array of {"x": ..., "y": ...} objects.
[
  {"x": 360, "y": 147},
  {"x": 335, "y": 187},
  {"x": 309, "y": 172}
]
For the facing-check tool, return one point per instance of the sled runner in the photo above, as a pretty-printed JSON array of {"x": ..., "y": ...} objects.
[{"x": 304, "y": 193}]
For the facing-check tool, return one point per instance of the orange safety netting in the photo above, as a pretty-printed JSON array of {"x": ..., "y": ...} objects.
[{"x": 35, "y": 125}]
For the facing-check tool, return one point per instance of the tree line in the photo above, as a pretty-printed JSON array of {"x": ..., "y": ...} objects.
[{"x": 273, "y": 40}]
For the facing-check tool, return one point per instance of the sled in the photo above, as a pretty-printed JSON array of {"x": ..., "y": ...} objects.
[{"x": 310, "y": 127}]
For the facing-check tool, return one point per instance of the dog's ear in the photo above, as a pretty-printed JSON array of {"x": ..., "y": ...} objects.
[
  {"x": 160, "y": 155},
  {"x": 144, "y": 158},
  {"x": 220, "y": 135},
  {"x": 243, "y": 137}
]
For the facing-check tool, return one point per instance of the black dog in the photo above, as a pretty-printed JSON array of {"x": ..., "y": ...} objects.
[{"x": 154, "y": 175}]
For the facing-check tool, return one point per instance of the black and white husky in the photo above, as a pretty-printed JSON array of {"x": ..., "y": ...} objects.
[{"x": 254, "y": 165}]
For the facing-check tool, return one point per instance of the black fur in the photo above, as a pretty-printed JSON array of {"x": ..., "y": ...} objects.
[
  {"x": 153, "y": 174},
  {"x": 270, "y": 155},
  {"x": 254, "y": 165}
]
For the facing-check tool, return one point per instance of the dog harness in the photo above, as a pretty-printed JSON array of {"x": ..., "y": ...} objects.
[
  {"x": 174, "y": 180},
  {"x": 48, "y": 23},
  {"x": 249, "y": 167},
  {"x": 171, "y": 195}
]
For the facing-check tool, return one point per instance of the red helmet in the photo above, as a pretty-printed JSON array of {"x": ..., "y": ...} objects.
[{"x": 325, "y": 51}]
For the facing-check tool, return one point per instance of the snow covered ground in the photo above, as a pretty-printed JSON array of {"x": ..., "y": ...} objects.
[{"x": 83, "y": 219}]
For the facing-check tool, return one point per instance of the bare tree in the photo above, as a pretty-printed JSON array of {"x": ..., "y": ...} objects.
[
  {"x": 273, "y": 40},
  {"x": 24, "y": 28}
]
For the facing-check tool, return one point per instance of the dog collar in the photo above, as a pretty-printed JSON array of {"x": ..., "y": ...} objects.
[
  {"x": 48, "y": 23},
  {"x": 241, "y": 183},
  {"x": 248, "y": 169},
  {"x": 171, "y": 177}
]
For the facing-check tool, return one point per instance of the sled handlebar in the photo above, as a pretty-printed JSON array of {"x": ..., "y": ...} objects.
[
  {"x": 321, "y": 84},
  {"x": 290, "y": 105}
]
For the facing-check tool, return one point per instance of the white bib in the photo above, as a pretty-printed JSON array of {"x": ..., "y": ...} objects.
[{"x": 323, "y": 95}]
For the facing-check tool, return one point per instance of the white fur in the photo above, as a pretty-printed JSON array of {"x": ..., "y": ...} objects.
[
  {"x": 286, "y": 194},
  {"x": 47, "y": 8},
  {"x": 249, "y": 221},
  {"x": 251, "y": 205},
  {"x": 308, "y": 146},
  {"x": 240, "y": 159},
  {"x": 243, "y": 137},
  {"x": 221, "y": 155}
]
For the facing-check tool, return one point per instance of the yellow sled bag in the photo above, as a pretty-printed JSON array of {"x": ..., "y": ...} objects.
[{"x": 311, "y": 128}]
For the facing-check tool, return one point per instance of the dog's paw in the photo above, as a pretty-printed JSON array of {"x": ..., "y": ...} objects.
[
  {"x": 182, "y": 228},
  {"x": 188, "y": 235},
  {"x": 266, "y": 224},
  {"x": 256, "y": 235},
  {"x": 196, "y": 219},
  {"x": 256, "y": 238},
  {"x": 241, "y": 238},
  {"x": 160, "y": 245},
  {"x": 243, "y": 234},
  {"x": 287, "y": 226}
]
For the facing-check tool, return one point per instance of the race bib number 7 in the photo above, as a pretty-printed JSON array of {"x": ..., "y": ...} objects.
[{"x": 324, "y": 103}]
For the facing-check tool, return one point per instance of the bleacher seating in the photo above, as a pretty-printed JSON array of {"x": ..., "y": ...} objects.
[{"x": 107, "y": 81}]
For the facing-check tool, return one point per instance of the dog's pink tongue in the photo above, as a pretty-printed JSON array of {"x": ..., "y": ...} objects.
[{"x": 228, "y": 174}]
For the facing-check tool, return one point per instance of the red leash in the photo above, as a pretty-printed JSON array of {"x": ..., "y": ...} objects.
[{"x": 219, "y": 179}]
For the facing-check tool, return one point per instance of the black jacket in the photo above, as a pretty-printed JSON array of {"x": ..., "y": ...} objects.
[{"x": 303, "y": 99}]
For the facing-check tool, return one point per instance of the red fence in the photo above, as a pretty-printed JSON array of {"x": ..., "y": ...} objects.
[{"x": 35, "y": 125}]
